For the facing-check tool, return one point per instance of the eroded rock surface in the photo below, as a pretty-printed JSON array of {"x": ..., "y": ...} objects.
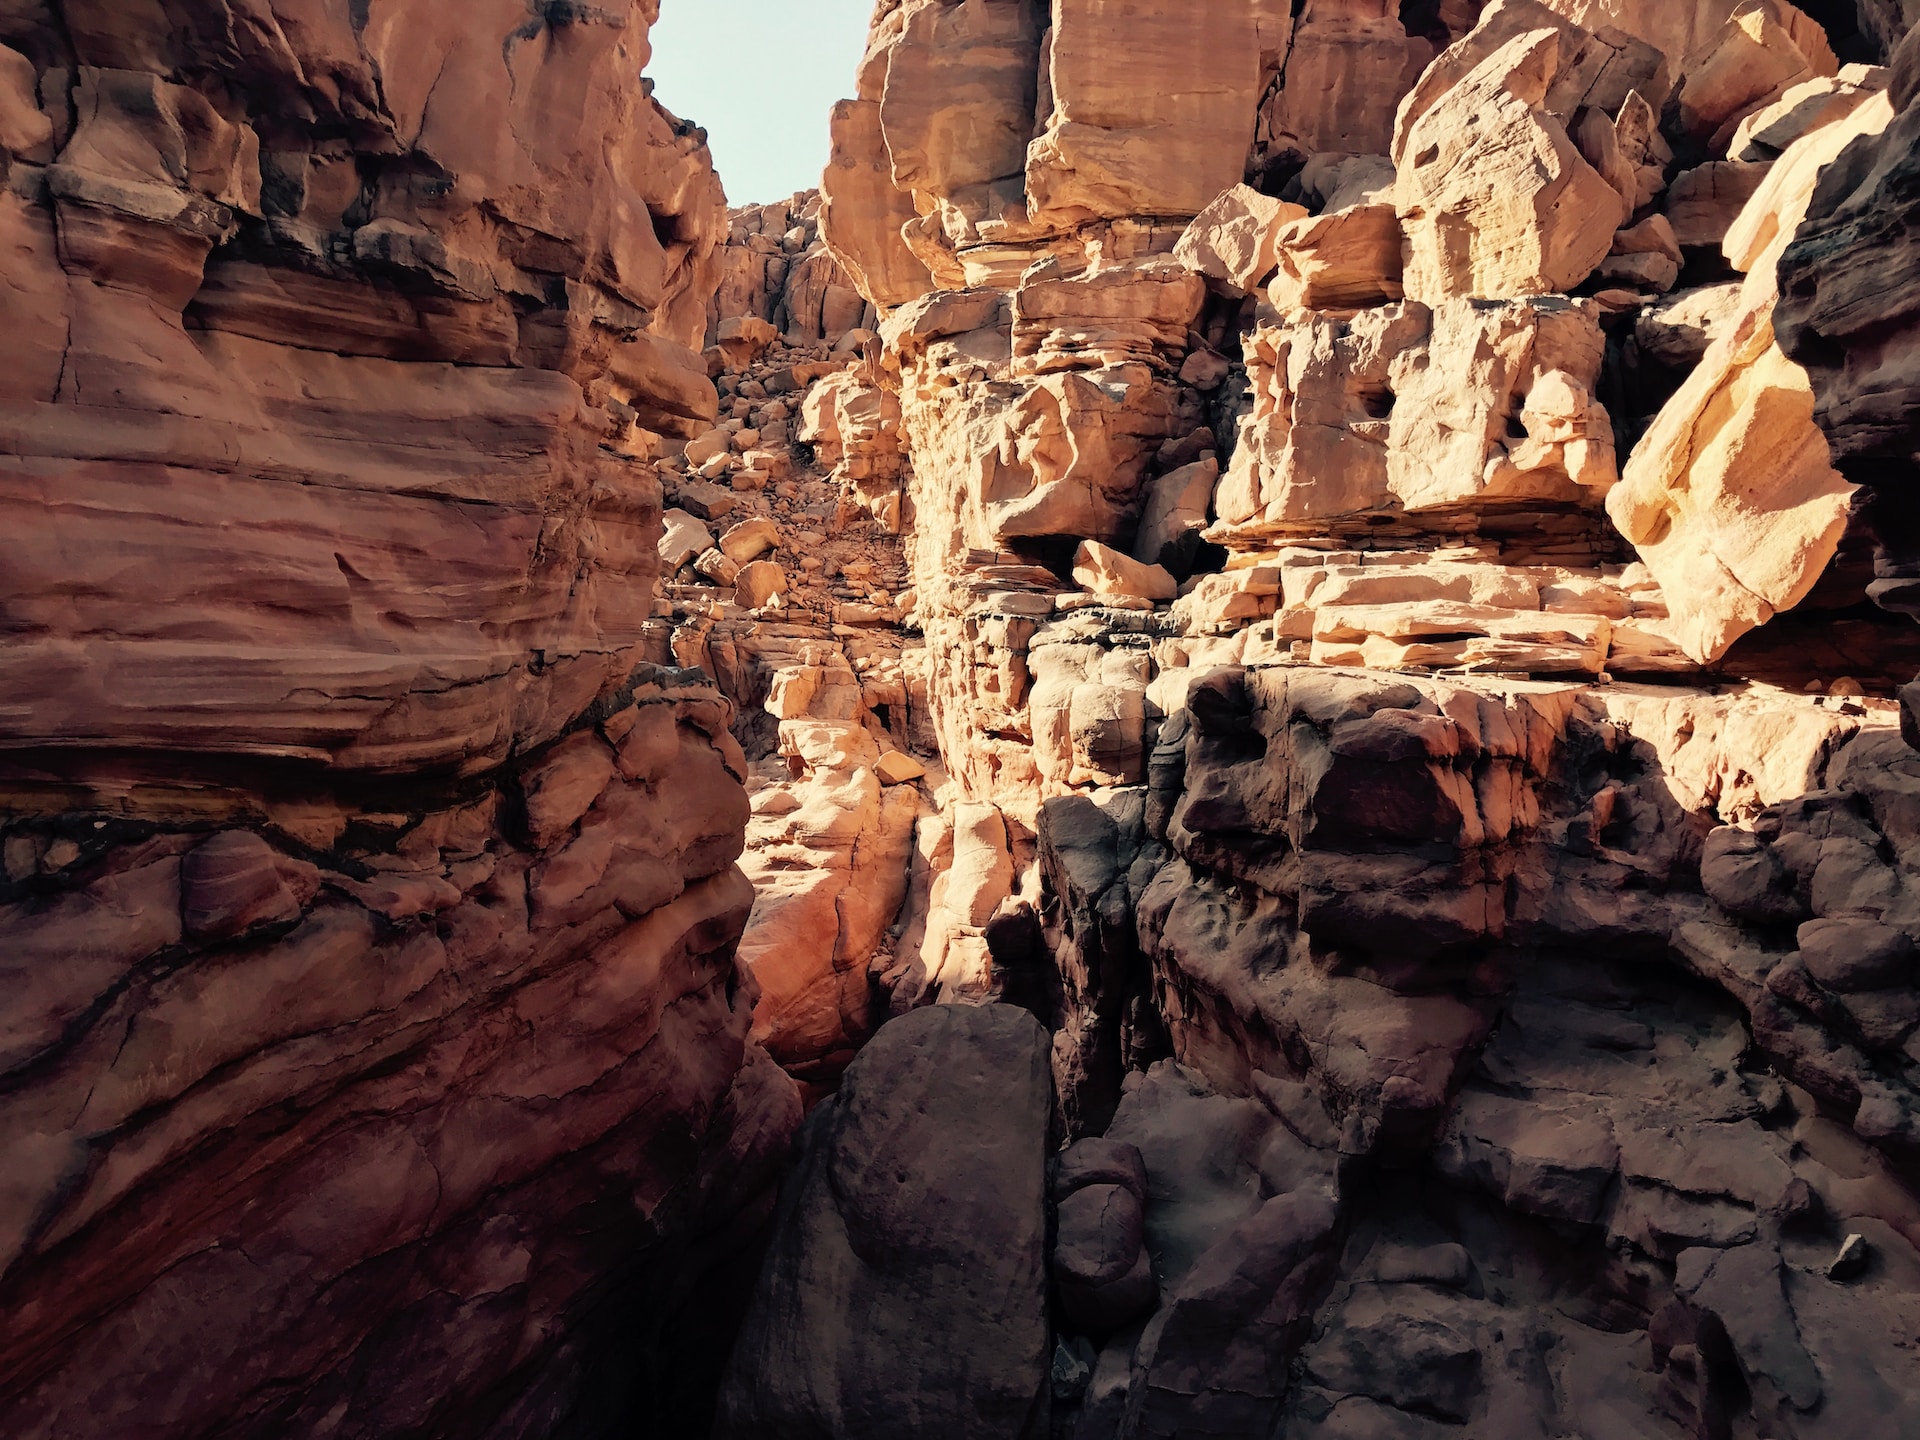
[
  {"x": 1401, "y": 687},
  {"x": 905, "y": 1291},
  {"x": 377, "y": 1061},
  {"x": 1262, "y": 655}
]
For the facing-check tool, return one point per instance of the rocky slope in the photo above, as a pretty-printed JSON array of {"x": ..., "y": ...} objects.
[{"x": 376, "y": 1060}]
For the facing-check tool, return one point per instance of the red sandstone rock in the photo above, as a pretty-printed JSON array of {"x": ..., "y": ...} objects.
[
  {"x": 344, "y": 340},
  {"x": 379, "y": 1005}
]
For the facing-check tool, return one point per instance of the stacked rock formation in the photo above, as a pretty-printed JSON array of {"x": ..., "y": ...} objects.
[
  {"x": 1408, "y": 589},
  {"x": 376, "y": 1060},
  {"x": 1261, "y": 656}
]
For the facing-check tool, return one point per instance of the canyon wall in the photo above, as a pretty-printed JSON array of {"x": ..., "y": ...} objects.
[
  {"x": 1352, "y": 560},
  {"x": 1410, "y": 583},
  {"x": 376, "y": 1059}
]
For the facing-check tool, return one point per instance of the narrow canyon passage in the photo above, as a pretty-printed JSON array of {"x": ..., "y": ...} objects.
[{"x": 1224, "y": 745}]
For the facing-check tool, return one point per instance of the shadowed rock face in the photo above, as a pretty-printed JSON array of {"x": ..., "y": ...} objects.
[
  {"x": 905, "y": 1290},
  {"x": 1393, "y": 609},
  {"x": 1505, "y": 1094},
  {"x": 1847, "y": 313},
  {"x": 373, "y": 1059}
]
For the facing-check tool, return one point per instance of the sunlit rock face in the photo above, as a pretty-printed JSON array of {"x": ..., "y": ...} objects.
[
  {"x": 375, "y": 1057},
  {"x": 1395, "y": 500}
]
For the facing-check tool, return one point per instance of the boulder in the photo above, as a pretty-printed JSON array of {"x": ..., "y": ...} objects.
[
  {"x": 1348, "y": 259},
  {"x": 1765, "y": 48},
  {"x": 1852, "y": 955},
  {"x": 1176, "y": 514},
  {"x": 1805, "y": 107},
  {"x": 1406, "y": 408},
  {"x": 714, "y": 566},
  {"x": 894, "y": 768},
  {"x": 1702, "y": 203},
  {"x": 1496, "y": 199},
  {"x": 1235, "y": 240},
  {"x": 1101, "y": 1265},
  {"x": 235, "y": 881},
  {"x": 1240, "y": 1222},
  {"x": 1106, "y": 571},
  {"x": 1731, "y": 498},
  {"x": 761, "y": 583},
  {"x": 750, "y": 539},
  {"x": 707, "y": 446},
  {"x": 743, "y": 339},
  {"x": 681, "y": 538},
  {"x": 1596, "y": 70},
  {"x": 905, "y": 1290},
  {"x": 1676, "y": 331}
]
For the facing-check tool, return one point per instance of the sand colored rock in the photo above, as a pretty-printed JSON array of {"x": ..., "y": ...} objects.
[
  {"x": 1343, "y": 259},
  {"x": 1176, "y": 512},
  {"x": 1807, "y": 106},
  {"x": 958, "y": 105},
  {"x": 1591, "y": 70},
  {"x": 1397, "y": 410},
  {"x": 779, "y": 278},
  {"x": 750, "y": 539},
  {"x": 1346, "y": 68},
  {"x": 853, "y": 422},
  {"x": 682, "y": 537},
  {"x": 1139, "y": 311},
  {"x": 1122, "y": 69},
  {"x": 1703, "y": 203},
  {"x": 1236, "y": 239},
  {"x": 1678, "y": 330},
  {"x": 1765, "y": 48},
  {"x": 1506, "y": 205},
  {"x": 862, "y": 210},
  {"x": 1732, "y": 498},
  {"x": 1677, "y": 31},
  {"x": 1106, "y": 571},
  {"x": 761, "y": 583}
]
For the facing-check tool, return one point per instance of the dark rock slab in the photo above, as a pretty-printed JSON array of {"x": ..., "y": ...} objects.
[{"x": 905, "y": 1292}]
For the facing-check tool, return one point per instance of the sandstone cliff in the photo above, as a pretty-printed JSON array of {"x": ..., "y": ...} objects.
[
  {"x": 1407, "y": 561},
  {"x": 376, "y": 1058},
  {"x": 1350, "y": 560}
]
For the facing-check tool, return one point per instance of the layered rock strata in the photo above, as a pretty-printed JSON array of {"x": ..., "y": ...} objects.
[
  {"x": 377, "y": 1061},
  {"x": 1258, "y": 655},
  {"x": 1845, "y": 314},
  {"x": 1404, "y": 687}
]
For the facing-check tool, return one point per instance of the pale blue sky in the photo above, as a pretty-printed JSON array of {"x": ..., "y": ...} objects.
[{"x": 761, "y": 76}]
